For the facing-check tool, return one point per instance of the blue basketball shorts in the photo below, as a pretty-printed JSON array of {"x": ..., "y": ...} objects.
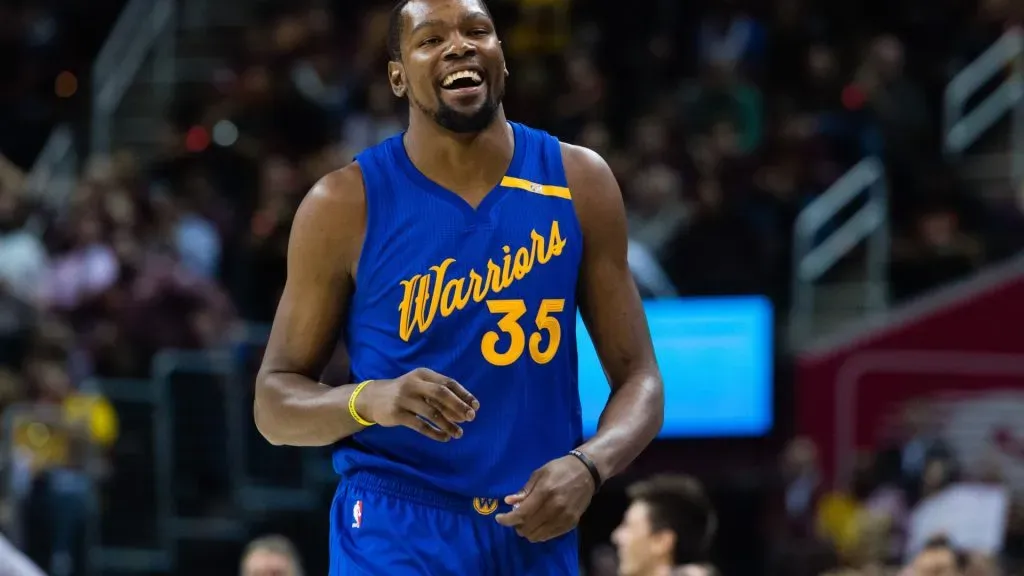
[{"x": 382, "y": 526}]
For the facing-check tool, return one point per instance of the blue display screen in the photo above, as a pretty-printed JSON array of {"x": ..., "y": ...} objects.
[{"x": 715, "y": 356}]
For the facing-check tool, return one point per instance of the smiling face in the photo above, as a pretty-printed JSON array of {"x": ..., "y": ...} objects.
[{"x": 449, "y": 63}]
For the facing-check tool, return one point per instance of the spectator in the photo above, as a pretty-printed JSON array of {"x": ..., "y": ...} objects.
[
  {"x": 938, "y": 558},
  {"x": 58, "y": 438},
  {"x": 669, "y": 523},
  {"x": 939, "y": 252},
  {"x": 904, "y": 464},
  {"x": 271, "y": 556},
  {"x": 718, "y": 252},
  {"x": 728, "y": 35}
]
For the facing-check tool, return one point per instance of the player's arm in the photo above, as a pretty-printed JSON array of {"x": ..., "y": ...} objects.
[
  {"x": 291, "y": 406},
  {"x": 611, "y": 308}
]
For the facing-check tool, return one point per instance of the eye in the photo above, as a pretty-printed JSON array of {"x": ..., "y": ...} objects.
[
  {"x": 479, "y": 32},
  {"x": 430, "y": 41}
]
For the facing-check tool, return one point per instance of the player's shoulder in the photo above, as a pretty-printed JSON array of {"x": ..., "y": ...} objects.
[
  {"x": 338, "y": 193},
  {"x": 582, "y": 162},
  {"x": 331, "y": 220},
  {"x": 334, "y": 210},
  {"x": 589, "y": 177},
  {"x": 595, "y": 192}
]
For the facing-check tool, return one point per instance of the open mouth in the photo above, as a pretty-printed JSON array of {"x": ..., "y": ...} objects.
[{"x": 461, "y": 80}]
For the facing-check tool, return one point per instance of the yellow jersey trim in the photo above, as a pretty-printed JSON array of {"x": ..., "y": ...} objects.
[{"x": 542, "y": 189}]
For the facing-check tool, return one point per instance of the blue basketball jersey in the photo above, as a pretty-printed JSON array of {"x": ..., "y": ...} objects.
[{"x": 486, "y": 296}]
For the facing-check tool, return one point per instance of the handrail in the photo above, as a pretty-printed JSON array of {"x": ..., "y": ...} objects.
[
  {"x": 142, "y": 24},
  {"x": 963, "y": 128},
  {"x": 870, "y": 222},
  {"x": 57, "y": 160}
]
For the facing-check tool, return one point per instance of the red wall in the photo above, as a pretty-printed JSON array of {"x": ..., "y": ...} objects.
[{"x": 971, "y": 347}]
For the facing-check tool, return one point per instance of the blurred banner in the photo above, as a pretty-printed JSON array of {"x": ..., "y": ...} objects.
[
  {"x": 954, "y": 363},
  {"x": 973, "y": 516},
  {"x": 716, "y": 357}
]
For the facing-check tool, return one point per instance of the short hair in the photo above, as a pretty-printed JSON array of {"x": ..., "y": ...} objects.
[
  {"x": 942, "y": 542},
  {"x": 395, "y": 28},
  {"x": 679, "y": 503},
  {"x": 275, "y": 544}
]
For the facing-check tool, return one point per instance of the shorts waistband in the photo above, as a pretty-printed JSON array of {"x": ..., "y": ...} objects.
[{"x": 417, "y": 493}]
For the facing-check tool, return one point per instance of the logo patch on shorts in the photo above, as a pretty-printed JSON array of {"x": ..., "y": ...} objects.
[
  {"x": 357, "y": 514},
  {"x": 485, "y": 506}
]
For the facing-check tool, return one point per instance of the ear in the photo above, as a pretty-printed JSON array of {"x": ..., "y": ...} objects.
[
  {"x": 664, "y": 543},
  {"x": 396, "y": 78}
]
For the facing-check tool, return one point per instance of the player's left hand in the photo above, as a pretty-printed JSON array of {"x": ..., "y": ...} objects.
[{"x": 552, "y": 501}]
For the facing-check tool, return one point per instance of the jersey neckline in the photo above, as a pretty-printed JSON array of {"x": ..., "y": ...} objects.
[{"x": 490, "y": 200}]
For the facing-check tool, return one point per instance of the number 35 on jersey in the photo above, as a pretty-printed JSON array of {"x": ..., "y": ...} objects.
[{"x": 515, "y": 333}]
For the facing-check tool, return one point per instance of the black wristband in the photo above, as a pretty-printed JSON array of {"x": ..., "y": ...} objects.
[{"x": 591, "y": 467}]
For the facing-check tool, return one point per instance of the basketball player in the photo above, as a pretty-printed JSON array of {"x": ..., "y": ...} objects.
[
  {"x": 667, "y": 529},
  {"x": 457, "y": 253}
]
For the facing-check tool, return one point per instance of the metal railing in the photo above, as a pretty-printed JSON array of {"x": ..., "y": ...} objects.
[
  {"x": 963, "y": 128},
  {"x": 144, "y": 27},
  {"x": 54, "y": 174},
  {"x": 812, "y": 260}
]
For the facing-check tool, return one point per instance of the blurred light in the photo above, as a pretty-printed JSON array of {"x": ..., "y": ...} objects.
[
  {"x": 853, "y": 97},
  {"x": 197, "y": 139},
  {"x": 65, "y": 85},
  {"x": 225, "y": 133}
]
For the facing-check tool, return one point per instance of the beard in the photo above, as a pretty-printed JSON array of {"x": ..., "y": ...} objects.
[{"x": 464, "y": 122}]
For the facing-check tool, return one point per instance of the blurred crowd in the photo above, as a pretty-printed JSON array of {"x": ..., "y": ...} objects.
[
  {"x": 875, "y": 520},
  {"x": 721, "y": 121}
]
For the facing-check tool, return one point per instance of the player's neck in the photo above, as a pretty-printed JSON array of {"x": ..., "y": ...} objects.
[{"x": 461, "y": 157}]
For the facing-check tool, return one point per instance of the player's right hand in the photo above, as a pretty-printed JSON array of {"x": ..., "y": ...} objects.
[{"x": 430, "y": 403}]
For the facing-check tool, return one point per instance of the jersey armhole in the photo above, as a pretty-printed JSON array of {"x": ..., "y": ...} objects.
[
  {"x": 556, "y": 162},
  {"x": 369, "y": 228}
]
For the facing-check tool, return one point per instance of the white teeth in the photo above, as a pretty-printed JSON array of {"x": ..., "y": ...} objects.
[{"x": 449, "y": 79}]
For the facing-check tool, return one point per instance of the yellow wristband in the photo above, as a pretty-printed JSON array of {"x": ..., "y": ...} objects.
[{"x": 352, "y": 405}]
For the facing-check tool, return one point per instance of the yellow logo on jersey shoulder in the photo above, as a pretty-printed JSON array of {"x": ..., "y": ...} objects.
[
  {"x": 485, "y": 506},
  {"x": 427, "y": 295},
  {"x": 542, "y": 189}
]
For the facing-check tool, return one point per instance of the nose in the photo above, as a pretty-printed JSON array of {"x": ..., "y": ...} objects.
[{"x": 459, "y": 48}]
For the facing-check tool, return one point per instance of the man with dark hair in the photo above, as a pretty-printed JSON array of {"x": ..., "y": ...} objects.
[
  {"x": 938, "y": 557},
  {"x": 272, "y": 555},
  {"x": 669, "y": 524},
  {"x": 451, "y": 261}
]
